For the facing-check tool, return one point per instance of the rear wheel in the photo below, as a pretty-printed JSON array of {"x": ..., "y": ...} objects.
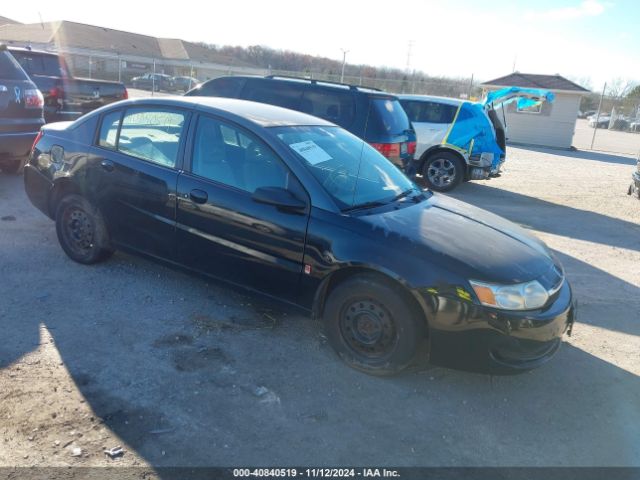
[
  {"x": 81, "y": 230},
  {"x": 442, "y": 171},
  {"x": 372, "y": 326}
]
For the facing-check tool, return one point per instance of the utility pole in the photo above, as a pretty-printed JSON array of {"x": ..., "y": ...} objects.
[
  {"x": 344, "y": 61},
  {"x": 593, "y": 139}
]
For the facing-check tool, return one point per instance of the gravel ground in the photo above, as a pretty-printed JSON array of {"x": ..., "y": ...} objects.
[{"x": 182, "y": 372}]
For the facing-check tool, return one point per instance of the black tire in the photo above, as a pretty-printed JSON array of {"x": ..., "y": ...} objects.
[
  {"x": 12, "y": 167},
  {"x": 81, "y": 230},
  {"x": 372, "y": 326},
  {"x": 443, "y": 171}
]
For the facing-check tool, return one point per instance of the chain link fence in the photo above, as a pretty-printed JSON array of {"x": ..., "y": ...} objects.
[{"x": 618, "y": 130}]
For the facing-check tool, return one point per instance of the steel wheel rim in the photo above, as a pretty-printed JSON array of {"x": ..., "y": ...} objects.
[
  {"x": 368, "y": 328},
  {"x": 441, "y": 172},
  {"x": 78, "y": 229}
]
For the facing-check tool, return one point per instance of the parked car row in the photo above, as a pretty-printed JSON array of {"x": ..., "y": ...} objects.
[
  {"x": 159, "y": 81},
  {"x": 37, "y": 87}
]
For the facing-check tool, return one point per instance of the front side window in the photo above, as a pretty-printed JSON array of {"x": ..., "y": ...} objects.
[
  {"x": 350, "y": 170},
  {"x": 152, "y": 134},
  {"x": 233, "y": 157}
]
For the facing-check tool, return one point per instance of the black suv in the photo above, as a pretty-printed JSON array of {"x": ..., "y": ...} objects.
[
  {"x": 21, "y": 106},
  {"x": 373, "y": 115}
]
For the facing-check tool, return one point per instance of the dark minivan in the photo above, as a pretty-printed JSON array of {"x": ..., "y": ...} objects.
[
  {"x": 20, "y": 113},
  {"x": 373, "y": 115}
]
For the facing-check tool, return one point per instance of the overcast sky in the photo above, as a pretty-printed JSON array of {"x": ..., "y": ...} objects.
[{"x": 591, "y": 38}]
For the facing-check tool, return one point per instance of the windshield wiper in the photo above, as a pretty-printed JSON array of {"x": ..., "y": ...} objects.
[
  {"x": 365, "y": 205},
  {"x": 406, "y": 193}
]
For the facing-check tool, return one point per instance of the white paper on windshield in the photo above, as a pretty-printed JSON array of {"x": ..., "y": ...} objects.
[{"x": 311, "y": 152}]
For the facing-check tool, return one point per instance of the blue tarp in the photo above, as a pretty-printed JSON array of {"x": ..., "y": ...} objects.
[
  {"x": 526, "y": 97},
  {"x": 472, "y": 131}
]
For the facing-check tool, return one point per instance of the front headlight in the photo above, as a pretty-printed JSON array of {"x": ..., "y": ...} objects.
[{"x": 520, "y": 296}]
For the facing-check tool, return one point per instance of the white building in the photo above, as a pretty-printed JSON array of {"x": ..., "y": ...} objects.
[{"x": 550, "y": 124}]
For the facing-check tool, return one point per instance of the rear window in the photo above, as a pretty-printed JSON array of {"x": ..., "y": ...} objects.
[
  {"x": 220, "y": 87},
  {"x": 386, "y": 117},
  {"x": 10, "y": 68},
  {"x": 429, "y": 112},
  {"x": 38, "y": 64}
]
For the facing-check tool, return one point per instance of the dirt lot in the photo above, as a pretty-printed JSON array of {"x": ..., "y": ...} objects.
[
  {"x": 181, "y": 372},
  {"x": 606, "y": 140}
]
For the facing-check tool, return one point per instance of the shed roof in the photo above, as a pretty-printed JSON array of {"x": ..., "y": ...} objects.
[{"x": 532, "y": 80}]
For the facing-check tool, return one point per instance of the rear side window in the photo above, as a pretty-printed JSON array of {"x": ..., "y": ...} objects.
[
  {"x": 386, "y": 117},
  {"x": 336, "y": 106},
  {"x": 10, "y": 68},
  {"x": 274, "y": 93},
  {"x": 36, "y": 64},
  {"x": 152, "y": 134},
  {"x": 429, "y": 112},
  {"x": 221, "y": 87},
  {"x": 109, "y": 130}
]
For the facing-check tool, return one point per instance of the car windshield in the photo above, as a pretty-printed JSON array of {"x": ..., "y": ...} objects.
[{"x": 350, "y": 170}]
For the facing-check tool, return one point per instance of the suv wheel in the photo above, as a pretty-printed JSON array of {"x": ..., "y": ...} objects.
[{"x": 442, "y": 171}]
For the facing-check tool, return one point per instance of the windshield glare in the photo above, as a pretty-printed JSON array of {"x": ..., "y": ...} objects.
[{"x": 350, "y": 170}]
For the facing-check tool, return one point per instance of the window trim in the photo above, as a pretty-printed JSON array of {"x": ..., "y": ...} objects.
[
  {"x": 186, "y": 128},
  {"x": 529, "y": 111}
]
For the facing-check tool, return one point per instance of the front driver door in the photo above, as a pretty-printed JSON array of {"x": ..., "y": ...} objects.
[{"x": 222, "y": 231}]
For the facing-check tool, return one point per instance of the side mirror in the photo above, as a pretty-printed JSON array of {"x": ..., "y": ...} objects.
[{"x": 278, "y": 197}]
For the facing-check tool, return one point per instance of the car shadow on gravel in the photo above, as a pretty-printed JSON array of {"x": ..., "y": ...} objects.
[
  {"x": 589, "y": 155},
  {"x": 193, "y": 388},
  {"x": 553, "y": 218},
  {"x": 188, "y": 373}
]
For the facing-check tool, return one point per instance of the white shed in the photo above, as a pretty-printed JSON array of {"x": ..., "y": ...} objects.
[{"x": 548, "y": 125}]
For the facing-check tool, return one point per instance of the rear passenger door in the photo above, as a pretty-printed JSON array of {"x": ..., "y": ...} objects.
[
  {"x": 132, "y": 176},
  {"x": 222, "y": 231}
]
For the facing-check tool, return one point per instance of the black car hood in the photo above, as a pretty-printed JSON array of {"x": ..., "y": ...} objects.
[{"x": 464, "y": 239}]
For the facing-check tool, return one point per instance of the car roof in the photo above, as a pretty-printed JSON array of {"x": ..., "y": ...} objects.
[
  {"x": 260, "y": 114},
  {"x": 316, "y": 82},
  {"x": 433, "y": 98},
  {"x": 31, "y": 50}
]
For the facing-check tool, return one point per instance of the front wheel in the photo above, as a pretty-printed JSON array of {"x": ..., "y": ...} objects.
[
  {"x": 372, "y": 326},
  {"x": 81, "y": 230},
  {"x": 443, "y": 171}
]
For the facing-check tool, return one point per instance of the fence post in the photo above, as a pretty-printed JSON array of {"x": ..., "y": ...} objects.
[
  {"x": 90, "y": 65},
  {"x": 153, "y": 78},
  {"x": 119, "y": 69},
  {"x": 593, "y": 139}
]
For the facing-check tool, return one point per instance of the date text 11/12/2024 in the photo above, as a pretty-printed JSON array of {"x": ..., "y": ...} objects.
[{"x": 315, "y": 473}]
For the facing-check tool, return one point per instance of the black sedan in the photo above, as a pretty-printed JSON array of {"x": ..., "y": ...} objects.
[{"x": 299, "y": 209}]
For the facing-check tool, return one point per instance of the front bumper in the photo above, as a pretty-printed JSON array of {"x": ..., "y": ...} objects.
[
  {"x": 16, "y": 145},
  {"x": 486, "y": 340},
  {"x": 634, "y": 188}
]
